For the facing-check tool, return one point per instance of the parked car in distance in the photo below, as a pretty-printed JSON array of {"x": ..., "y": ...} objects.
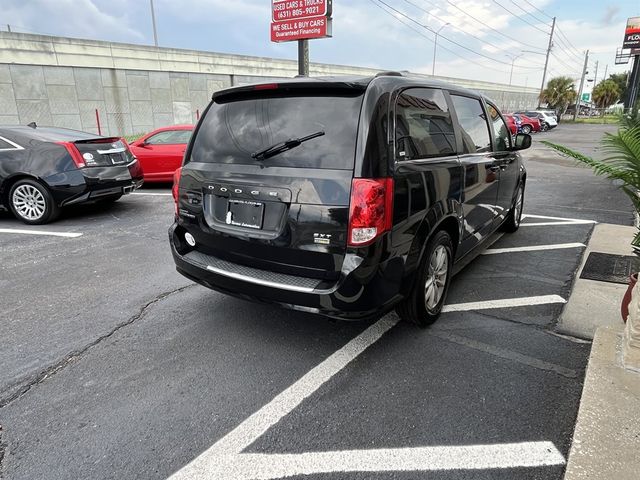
[
  {"x": 547, "y": 122},
  {"x": 528, "y": 124},
  {"x": 43, "y": 169},
  {"x": 345, "y": 196},
  {"x": 512, "y": 122},
  {"x": 160, "y": 152}
]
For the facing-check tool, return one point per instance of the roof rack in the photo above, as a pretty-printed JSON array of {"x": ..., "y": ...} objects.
[{"x": 389, "y": 74}]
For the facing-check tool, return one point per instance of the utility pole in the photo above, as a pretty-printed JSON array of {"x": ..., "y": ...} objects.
[
  {"x": 153, "y": 21},
  {"x": 546, "y": 62},
  {"x": 584, "y": 74},
  {"x": 595, "y": 77},
  {"x": 513, "y": 61},
  {"x": 303, "y": 58},
  {"x": 606, "y": 68}
]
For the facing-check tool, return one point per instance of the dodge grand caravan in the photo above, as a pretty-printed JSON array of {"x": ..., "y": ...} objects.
[{"x": 345, "y": 197}]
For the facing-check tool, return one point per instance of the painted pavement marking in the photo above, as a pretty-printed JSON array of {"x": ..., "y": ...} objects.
[
  {"x": 225, "y": 460},
  {"x": 39, "y": 232},
  {"x": 533, "y": 248}
]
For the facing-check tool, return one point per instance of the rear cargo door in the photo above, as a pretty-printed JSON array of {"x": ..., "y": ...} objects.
[{"x": 288, "y": 211}]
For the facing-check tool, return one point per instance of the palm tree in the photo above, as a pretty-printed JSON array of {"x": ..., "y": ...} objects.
[
  {"x": 605, "y": 94},
  {"x": 560, "y": 92},
  {"x": 622, "y": 162}
]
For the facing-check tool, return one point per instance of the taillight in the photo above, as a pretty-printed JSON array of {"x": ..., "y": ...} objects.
[
  {"x": 370, "y": 212},
  {"x": 74, "y": 152},
  {"x": 176, "y": 186}
]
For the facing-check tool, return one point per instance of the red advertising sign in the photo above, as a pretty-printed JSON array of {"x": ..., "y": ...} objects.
[
  {"x": 632, "y": 33},
  {"x": 284, "y": 10},
  {"x": 308, "y": 28}
]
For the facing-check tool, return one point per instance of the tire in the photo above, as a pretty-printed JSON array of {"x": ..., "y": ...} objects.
[
  {"x": 544, "y": 127},
  {"x": 526, "y": 129},
  {"x": 31, "y": 202},
  {"x": 109, "y": 199},
  {"x": 512, "y": 222},
  {"x": 424, "y": 304}
]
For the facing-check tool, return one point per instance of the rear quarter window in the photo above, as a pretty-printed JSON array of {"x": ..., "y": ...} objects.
[{"x": 231, "y": 131}]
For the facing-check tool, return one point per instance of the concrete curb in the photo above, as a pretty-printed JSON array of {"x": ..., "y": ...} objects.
[
  {"x": 606, "y": 441},
  {"x": 597, "y": 304}
]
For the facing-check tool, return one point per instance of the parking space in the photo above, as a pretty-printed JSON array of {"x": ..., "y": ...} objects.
[{"x": 124, "y": 369}]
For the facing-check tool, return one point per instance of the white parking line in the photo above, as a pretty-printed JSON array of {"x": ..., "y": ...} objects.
[
  {"x": 560, "y": 221},
  {"x": 548, "y": 224},
  {"x": 504, "y": 303},
  {"x": 254, "y": 466},
  {"x": 40, "y": 232},
  {"x": 225, "y": 460},
  {"x": 152, "y": 194},
  {"x": 530, "y": 215},
  {"x": 533, "y": 248}
]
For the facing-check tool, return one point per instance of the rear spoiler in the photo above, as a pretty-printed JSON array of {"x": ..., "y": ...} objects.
[
  {"x": 101, "y": 140},
  {"x": 264, "y": 89}
]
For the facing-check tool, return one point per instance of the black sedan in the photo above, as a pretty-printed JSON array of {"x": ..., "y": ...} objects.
[{"x": 43, "y": 169}]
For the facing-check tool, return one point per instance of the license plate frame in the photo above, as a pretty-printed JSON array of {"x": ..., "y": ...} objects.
[{"x": 245, "y": 213}]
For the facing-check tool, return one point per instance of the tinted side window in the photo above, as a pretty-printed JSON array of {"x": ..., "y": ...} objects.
[
  {"x": 423, "y": 125},
  {"x": 475, "y": 130},
  {"x": 500, "y": 130}
]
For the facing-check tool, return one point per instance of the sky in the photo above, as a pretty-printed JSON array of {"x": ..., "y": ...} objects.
[{"x": 478, "y": 40}]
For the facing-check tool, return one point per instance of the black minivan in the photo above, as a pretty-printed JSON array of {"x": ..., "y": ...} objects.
[{"x": 344, "y": 196}]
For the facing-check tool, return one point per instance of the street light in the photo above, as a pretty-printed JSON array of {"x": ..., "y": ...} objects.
[
  {"x": 513, "y": 60},
  {"x": 435, "y": 46}
]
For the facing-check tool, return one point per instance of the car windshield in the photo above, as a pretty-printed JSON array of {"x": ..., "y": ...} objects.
[{"x": 232, "y": 131}]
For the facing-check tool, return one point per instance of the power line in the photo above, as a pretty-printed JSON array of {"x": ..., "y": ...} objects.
[
  {"x": 448, "y": 39},
  {"x": 568, "y": 41},
  {"x": 455, "y": 27},
  {"x": 419, "y": 32},
  {"x": 569, "y": 50},
  {"x": 537, "y": 9},
  {"x": 487, "y": 25},
  {"x": 529, "y": 13},
  {"x": 520, "y": 18}
]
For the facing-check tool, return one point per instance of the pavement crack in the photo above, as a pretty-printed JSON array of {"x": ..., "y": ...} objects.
[{"x": 77, "y": 354}]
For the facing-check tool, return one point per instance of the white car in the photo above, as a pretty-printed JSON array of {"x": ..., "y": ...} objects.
[{"x": 543, "y": 116}]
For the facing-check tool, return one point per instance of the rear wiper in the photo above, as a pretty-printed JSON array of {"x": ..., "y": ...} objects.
[{"x": 284, "y": 146}]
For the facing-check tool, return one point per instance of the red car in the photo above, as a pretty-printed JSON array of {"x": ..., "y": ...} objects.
[
  {"x": 160, "y": 152},
  {"x": 511, "y": 122},
  {"x": 528, "y": 124}
]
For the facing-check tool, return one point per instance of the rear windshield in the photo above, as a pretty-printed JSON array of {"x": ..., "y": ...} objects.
[{"x": 232, "y": 131}]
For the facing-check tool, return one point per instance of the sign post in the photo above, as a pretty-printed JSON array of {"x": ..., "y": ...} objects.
[
  {"x": 632, "y": 42},
  {"x": 301, "y": 20}
]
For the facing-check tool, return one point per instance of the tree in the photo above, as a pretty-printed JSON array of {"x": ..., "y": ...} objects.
[
  {"x": 560, "y": 92},
  {"x": 605, "y": 93},
  {"x": 621, "y": 80}
]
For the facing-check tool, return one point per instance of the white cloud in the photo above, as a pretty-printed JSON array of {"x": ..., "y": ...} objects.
[{"x": 77, "y": 18}]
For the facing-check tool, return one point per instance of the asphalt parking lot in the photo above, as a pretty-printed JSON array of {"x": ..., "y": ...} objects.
[{"x": 114, "y": 366}]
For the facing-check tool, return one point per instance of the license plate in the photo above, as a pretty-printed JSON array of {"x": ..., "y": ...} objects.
[{"x": 245, "y": 213}]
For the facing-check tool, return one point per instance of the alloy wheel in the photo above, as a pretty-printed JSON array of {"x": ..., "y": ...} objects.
[
  {"x": 517, "y": 208},
  {"x": 29, "y": 202},
  {"x": 436, "y": 278}
]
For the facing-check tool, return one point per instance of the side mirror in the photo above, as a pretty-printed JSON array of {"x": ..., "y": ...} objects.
[{"x": 522, "y": 141}]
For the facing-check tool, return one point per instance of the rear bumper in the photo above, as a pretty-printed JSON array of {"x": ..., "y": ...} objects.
[
  {"x": 93, "y": 183},
  {"x": 363, "y": 291}
]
